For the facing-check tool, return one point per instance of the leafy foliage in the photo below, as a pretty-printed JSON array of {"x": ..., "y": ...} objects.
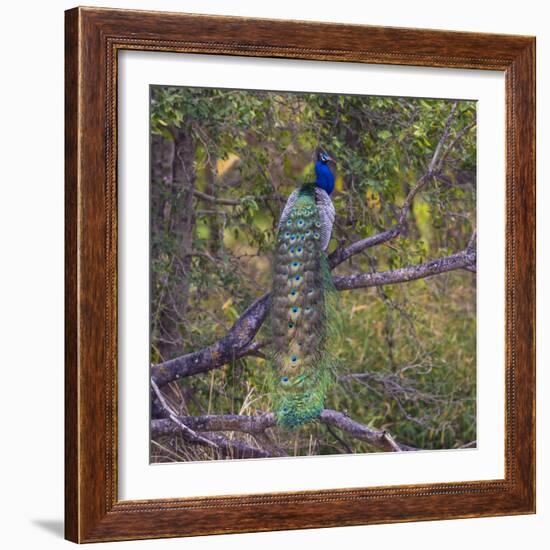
[{"x": 223, "y": 164}]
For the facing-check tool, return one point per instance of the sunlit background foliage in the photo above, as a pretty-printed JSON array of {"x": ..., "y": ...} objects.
[{"x": 223, "y": 163}]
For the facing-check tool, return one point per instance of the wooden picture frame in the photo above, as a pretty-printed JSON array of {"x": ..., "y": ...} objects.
[{"x": 93, "y": 511}]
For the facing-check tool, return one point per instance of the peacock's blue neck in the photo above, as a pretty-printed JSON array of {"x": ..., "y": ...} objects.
[{"x": 325, "y": 177}]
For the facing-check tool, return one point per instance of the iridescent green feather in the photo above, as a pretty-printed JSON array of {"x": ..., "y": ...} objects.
[{"x": 302, "y": 297}]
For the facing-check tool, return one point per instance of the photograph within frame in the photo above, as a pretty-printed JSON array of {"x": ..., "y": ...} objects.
[
  {"x": 403, "y": 158},
  {"x": 138, "y": 478}
]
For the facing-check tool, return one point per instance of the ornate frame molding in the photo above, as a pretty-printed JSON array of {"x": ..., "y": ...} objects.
[{"x": 93, "y": 39}]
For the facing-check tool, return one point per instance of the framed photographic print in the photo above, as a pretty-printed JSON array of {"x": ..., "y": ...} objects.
[{"x": 300, "y": 275}]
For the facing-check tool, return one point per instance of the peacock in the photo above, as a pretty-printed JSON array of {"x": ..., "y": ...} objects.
[{"x": 301, "y": 301}]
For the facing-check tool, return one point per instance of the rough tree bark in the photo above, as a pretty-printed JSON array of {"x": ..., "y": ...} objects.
[
  {"x": 179, "y": 179},
  {"x": 257, "y": 426},
  {"x": 162, "y": 178}
]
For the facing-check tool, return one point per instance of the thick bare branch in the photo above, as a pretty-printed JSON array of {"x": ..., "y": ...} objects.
[
  {"x": 187, "y": 432},
  {"x": 342, "y": 254},
  {"x": 256, "y": 425},
  {"x": 459, "y": 260},
  {"x": 380, "y": 439},
  {"x": 218, "y": 423},
  {"x": 226, "y": 447},
  {"x": 235, "y": 344}
]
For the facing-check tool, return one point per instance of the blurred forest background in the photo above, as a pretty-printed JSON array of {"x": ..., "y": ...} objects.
[{"x": 223, "y": 163}]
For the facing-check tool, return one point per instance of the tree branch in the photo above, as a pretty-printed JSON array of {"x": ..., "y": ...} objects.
[
  {"x": 217, "y": 423},
  {"x": 342, "y": 254},
  {"x": 235, "y": 344},
  {"x": 225, "y": 446},
  {"x": 406, "y": 274},
  {"x": 187, "y": 432},
  {"x": 380, "y": 439},
  {"x": 256, "y": 425}
]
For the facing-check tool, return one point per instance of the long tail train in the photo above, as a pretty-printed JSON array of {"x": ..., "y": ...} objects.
[{"x": 300, "y": 309}]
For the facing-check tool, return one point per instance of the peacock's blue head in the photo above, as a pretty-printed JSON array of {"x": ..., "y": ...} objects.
[
  {"x": 324, "y": 157},
  {"x": 323, "y": 172}
]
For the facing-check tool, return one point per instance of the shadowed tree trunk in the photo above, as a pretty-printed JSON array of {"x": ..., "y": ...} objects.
[
  {"x": 175, "y": 163},
  {"x": 162, "y": 176}
]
